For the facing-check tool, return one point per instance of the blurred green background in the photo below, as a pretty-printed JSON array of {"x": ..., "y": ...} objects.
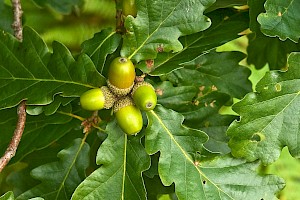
[{"x": 82, "y": 20}]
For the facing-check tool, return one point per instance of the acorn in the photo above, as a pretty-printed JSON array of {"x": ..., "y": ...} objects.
[
  {"x": 97, "y": 99},
  {"x": 129, "y": 117},
  {"x": 121, "y": 75},
  {"x": 129, "y": 8},
  {"x": 144, "y": 96}
]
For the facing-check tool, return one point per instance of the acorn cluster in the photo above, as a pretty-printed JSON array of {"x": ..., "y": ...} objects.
[{"x": 126, "y": 96}]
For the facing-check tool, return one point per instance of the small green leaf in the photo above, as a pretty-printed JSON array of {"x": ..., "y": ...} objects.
[
  {"x": 281, "y": 19},
  {"x": 226, "y": 26},
  {"x": 29, "y": 71},
  {"x": 122, "y": 159},
  {"x": 154, "y": 26},
  {"x": 269, "y": 117},
  {"x": 59, "y": 179},
  {"x": 194, "y": 177},
  {"x": 102, "y": 44}
]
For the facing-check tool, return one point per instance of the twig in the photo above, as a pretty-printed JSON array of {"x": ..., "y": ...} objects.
[
  {"x": 14, "y": 143},
  {"x": 12, "y": 147},
  {"x": 17, "y": 24}
]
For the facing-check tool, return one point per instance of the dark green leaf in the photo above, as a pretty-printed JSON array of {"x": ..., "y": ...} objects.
[
  {"x": 40, "y": 131},
  {"x": 59, "y": 179},
  {"x": 29, "y": 71},
  {"x": 226, "y": 25},
  {"x": 269, "y": 117},
  {"x": 154, "y": 26},
  {"x": 215, "y": 70},
  {"x": 264, "y": 50},
  {"x": 219, "y": 178},
  {"x": 281, "y": 19},
  {"x": 122, "y": 159},
  {"x": 225, "y": 4},
  {"x": 62, "y": 6},
  {"x": 102, "y": 44}
]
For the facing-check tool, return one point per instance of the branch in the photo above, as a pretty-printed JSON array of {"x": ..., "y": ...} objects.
[
  {"x": 17, "y": 24},
  {"x": 14, "y": 143},
  {"x": 12, "y": 147}
]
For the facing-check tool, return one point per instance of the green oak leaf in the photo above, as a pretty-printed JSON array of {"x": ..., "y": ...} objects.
[
  {"x": 226, "y": 26},
  {"x": 262, "y": 49},
  {"x": 40, "y": 131},
  {"x": 214, "y": 71},
  {"x": 102, "y": 44},
  {"x": 122, "y": 159},
  {"x": 159, "y": 24},
  {"x": 62, "y": 6},
  {"x": 59, "y": 179},
  {"x": 269, "y": 117},
  {"x": 281, "y": 19},
  {"x": 195, "y": 177},
  {"x": 29, "y": 71},
  {"x": 200, "y": 112}
]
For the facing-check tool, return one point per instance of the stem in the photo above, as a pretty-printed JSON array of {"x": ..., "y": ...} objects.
[
  {"x": 12, "y": 147},
  {"x": 17, "y": 24},
  {"x": 14, "y": 143}
]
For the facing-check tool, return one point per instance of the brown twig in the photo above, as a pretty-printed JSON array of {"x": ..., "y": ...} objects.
[
  {"x": 14, "y": 143},
  {"x": 17, "y": 24},
  {"x": 12, "y": 147}
]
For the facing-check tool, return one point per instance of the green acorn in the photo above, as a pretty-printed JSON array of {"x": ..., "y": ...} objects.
[
  {"x": 97, "y": 99},
  {"x": 144, "y": 96},
  {"x": 121, "y": 75},
  {"x": 129, "y": 8},
  {"x": 128, "y": 116}
]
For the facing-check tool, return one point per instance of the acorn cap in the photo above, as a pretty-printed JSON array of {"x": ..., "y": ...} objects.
[
  {"x": 123, "y": 102},
  {"x": 109, "y": 97},
  {"x": 118, "y": 91}
]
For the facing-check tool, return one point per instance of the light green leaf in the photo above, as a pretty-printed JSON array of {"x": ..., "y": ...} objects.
[
  {"x": 281, "y": 19},
  {"x": 102, "y": 44},
  {"x": 122, "y": 159},
  {"x": 226, "y": 26},
  {"x": 159, "y": 24},
  {"x": 269, "y": 117},
  {"x": 29, "y": 71},
  {"x": 59, "y": 179},
  {"x": 8, "y": 196},
  {"x": 197, "y": 178}
]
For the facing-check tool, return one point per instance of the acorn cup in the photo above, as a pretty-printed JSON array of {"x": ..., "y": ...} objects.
[
  {"x": 121, "y": 75},
  {"x": 97, "y": 99},
  {"x": 128, "y": 116},
  {"x": 144, "y": 96}
]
